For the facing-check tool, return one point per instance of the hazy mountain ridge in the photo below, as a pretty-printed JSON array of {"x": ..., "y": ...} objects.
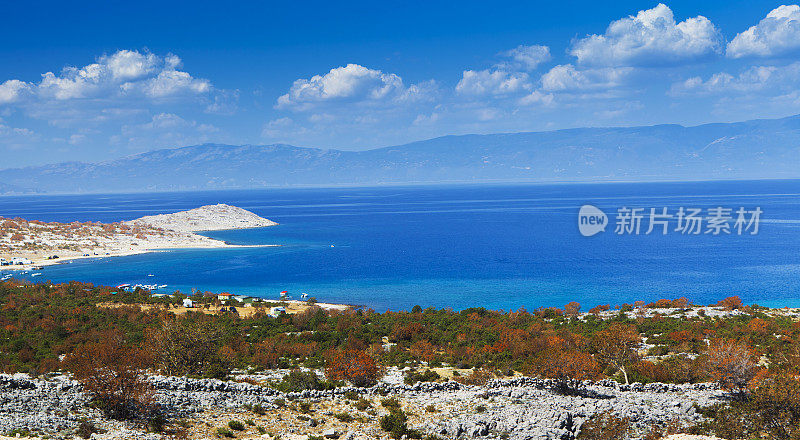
[{"x": 744, "y": 150}]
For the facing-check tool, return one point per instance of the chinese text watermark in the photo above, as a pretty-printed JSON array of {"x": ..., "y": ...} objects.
[{"x": 685, "y": 221}]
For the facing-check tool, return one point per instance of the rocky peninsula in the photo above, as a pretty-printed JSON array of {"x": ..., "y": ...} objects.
[{"x": 28, "y": 243}]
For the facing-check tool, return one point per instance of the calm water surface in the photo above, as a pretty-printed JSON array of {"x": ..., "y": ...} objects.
[{"x": 501, "y": 247}]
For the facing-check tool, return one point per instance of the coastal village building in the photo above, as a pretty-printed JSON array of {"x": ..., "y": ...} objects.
[
  {"x": 188, "y": 303},
  {"x": 224, "y": 296}
]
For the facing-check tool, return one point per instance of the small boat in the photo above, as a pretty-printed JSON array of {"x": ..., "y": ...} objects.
[
  {"x": 36, "y": 274},
  {"x": 161, "y": 286},
  {"x": 303, "y": 295},
  {"x": 150, "y": 275}
]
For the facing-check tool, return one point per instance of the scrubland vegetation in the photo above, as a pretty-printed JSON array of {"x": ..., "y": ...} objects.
[{"x": 752, "y": 353}]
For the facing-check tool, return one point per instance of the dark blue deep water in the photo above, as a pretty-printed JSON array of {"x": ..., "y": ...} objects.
[{"x": 501, "y": 247}]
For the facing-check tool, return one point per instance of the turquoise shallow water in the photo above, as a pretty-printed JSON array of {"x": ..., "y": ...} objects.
[{"x": 501, "y": 247}]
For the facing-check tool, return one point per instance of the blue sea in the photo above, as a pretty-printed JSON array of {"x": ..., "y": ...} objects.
[{"x": 499, "y": 247}]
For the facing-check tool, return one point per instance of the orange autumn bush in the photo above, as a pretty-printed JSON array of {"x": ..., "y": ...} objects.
[{"x": 357, "y": 367}]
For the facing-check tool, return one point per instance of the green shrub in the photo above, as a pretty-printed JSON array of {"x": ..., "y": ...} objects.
[
  {"x": 297, "y": 381},
  {"x": 362, "y": 404},
  {"x": 658, "y": 350},
  {"x": 256, "y": 409},
  {"x": 390, "y": 403},
  {"x": 396, "y": 423},
  {"x": 20, "y": 432},
  {"x": 344, "y": 417},
  {"x": 236, "y": 425},
  {"x": 224, "y": 432},
  {"x": 413, "y": 377},
  {"x": 157, "y": 423}
]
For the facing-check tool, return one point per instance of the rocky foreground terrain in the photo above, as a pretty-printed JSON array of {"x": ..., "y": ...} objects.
[{"x": 517, "y": 408}]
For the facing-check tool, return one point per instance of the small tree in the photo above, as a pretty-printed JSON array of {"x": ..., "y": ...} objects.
[
  {"x": 732, "y": 364},
  {"x": 616, "y": 346},
  {"x": 572, "y": 309},
  {"x": 112, "y": 371},
  {"x": 353, "y": 365},
  {"x": 186, "y": 346},
  {"x": 563, "y": 361},
  {"x": 730, "y": 303}
]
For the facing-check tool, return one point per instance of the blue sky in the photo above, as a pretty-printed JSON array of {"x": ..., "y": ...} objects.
[{"x": 110, "y": 79}]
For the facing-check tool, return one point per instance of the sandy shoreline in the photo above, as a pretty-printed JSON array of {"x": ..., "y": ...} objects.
[{"x": 42, "y": 261}]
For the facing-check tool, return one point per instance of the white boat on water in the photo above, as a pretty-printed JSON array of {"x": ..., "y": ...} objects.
[
  {"x": 304, "y": 295},
  {"x": 36, "y": 274}
]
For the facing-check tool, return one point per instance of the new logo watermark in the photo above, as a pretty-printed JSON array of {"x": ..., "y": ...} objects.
[
  {"x": 591, "y": 220},
  {"x": 686, "y": 221}
]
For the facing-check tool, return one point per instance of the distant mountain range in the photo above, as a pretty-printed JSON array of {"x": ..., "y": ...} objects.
[{"x": 745, "y": 150}]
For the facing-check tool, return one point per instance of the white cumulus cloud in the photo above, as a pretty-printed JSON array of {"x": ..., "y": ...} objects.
[
  {"x": 12, "y": 90},
  {"x": 755, "y": 79},
  {"x": 652, "y": 37},
  {"x": 128, "y": 65},
  {"x": 123, "y": 73},
  {"x": 496, "y": 82},
  {"x": 529, "y": 57},
  {"x": 350, "y": 83},
  {"x": 567, "y": 78},
  {"x": 777, "y": 34},
  {"x": 168, "y": 83}
]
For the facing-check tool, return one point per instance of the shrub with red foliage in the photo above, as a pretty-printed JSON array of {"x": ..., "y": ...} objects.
[
  {"x": 112, "y": 371},
  {"x": 357, "y": 367},
  {"x": 730, "y": 303},
  {"x": 563, "y": 361},
  {"x": 406, "y": 332},
  {"x": 598, "y": 309},
  {"x": 572, "y": 309}
]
